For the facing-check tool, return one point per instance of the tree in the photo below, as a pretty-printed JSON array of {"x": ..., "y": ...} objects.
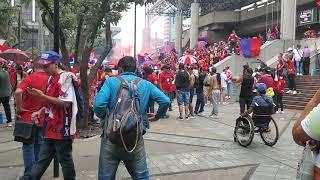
[
  {"x": 79, "y": 24},
  {"x": 7, "y": 15}
]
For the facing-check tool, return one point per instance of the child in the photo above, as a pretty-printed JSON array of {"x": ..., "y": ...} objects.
[{"x": 280, "y": 90}]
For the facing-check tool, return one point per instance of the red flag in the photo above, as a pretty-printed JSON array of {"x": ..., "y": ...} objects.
[{"x": 318, "y": 3}]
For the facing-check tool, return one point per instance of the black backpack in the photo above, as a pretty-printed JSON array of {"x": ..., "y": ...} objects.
[{"x": 124, "y": 124}]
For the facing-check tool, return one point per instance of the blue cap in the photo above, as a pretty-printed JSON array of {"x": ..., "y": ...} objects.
[
  {"x": 261, "y": 87},
  {"x": 49, "y": 57}
]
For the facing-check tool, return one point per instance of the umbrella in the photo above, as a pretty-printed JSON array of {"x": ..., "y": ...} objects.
[
  {"x": 200, "y": 44},
  {"x": 14, "y": 54},
  {"x": 3, "y": 48},
  {"x": 188, "y": 59},
  {"x": 3, "y": 60}
]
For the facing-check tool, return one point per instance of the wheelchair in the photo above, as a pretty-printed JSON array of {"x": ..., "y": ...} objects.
[{"x": 260, "y": 122}]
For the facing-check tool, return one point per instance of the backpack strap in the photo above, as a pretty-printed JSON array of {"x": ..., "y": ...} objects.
[{"x": 136, "y": 81}]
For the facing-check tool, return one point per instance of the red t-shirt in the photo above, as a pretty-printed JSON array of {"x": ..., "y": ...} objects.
[
  {"x": 152, "y": 78},
  {"x": 37, "y": 80},
  {"x": 266, "y": 79},
  {"x": 291, "y": 68},
  {"x": 166, "y": 80},
  {"x": 233, "y": 37},
  {"x": 58, "y": 119}
]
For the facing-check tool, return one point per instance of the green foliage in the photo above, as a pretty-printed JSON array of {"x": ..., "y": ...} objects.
[
  {"x": 7, "y": 15},
  {"x": 33, "y": 54}
]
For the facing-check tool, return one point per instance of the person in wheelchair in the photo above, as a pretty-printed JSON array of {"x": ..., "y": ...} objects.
[{"x": 261, "y": 107}]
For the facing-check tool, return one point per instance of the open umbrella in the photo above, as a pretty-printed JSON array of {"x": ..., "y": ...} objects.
[
  {"x": 14, "y": 54},
  {"x": 3, "y": 60},
  {"x": 188, "y": 59},
  {"x": 3, "y": 48}
]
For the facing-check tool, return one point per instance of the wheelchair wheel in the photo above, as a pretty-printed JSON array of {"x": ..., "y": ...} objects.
[
  {"x": 270, "y": 135},
  {"x": 244, "y": 131}
]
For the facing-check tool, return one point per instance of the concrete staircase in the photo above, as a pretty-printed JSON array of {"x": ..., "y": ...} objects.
[{"x": 307, "y": 86}]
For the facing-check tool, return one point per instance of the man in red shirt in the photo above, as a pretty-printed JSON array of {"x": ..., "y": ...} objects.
[
  {"x": 291, "y": 76},
  {"x": 26, "y": 107},
  {"x": 167, "y": 87},
  {"x": 233, "y": 38},
  {"x": 60, "y": 119}
]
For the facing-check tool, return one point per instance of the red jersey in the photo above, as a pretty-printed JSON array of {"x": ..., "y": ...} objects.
[
  {"x": 291, "y": 67},
  {"x": 266, "y": 79},
  {"x": 166, "y": 80},
  {"x": 38, "y": 80},
  {"x": 59, "y": 124},
  {"x": 233, "y": 37},
  {"x": 152, "y": 78},
  {"x": 279, "y": 86}
]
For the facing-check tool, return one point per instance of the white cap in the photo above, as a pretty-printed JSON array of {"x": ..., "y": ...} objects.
[{"x": 290, "y": 49}]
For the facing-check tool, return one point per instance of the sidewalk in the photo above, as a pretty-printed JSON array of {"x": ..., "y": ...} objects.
[{"x": 200, "y": 148}]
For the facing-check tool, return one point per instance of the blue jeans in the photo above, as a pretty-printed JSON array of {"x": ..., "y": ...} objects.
[
  {"x": 299, "y": 67},
  {"x": 30, "y": 152},
  {"x": 49, "y": 148},
  {"x": 229, "y": 89},
  {"x": 111, "y": 155},
  {"x": 183, "y": 97},
  {"x": 199, "y": 103},
  {"x": 170, "y": 96}
]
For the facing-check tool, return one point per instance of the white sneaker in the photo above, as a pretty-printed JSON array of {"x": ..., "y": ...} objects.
[
  {"x": 282, "y": 112},
  {"x": 225, "y": 103},
  {"x": 294, "y": 92},
  {"x": 289, "y": 92},
  {"x": 200, "y": 114},
  {"x": 192, "y": 117},
  {"x": 277, "y": 112},
  {"x": 9, "y": 124}
]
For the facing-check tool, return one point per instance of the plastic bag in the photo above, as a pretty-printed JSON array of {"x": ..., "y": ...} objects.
[{"x": 306, "y": 164}]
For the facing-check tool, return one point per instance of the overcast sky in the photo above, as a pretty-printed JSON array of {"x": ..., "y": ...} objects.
[{"x": 127, "y": 27}]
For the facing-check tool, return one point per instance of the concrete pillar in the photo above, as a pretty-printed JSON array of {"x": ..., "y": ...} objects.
[
  {"x": 288, "y": 19},
  {"x": 178, "y": 43},
  {"x": 194, "y": 29}
]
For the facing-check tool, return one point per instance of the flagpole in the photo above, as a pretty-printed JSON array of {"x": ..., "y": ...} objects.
[{"x": 135, "y": 31}]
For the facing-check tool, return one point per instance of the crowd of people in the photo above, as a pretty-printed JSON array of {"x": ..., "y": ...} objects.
[{"x": 46, "y": 101}]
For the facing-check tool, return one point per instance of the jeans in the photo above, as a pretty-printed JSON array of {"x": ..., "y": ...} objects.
[
  {"x": 229, "y": 89},
  {"x": 170, "y": 97},
  {"x": 111, "y": 155},
  {"x": 6, "y": 106},
  {"x": 292, "y": 82},
  {"x": 215, "y": 100},
  {"x": 30, "y": 152},
  {"x": 306, "y": 66},
  {"x": 279, "y": 102},
  {"x": 63, "y": 150},
  {"x": 243, "y": 102},
  {"x": 299, "y": 67},
  {"x": 199, "y": 103},
  {"x": 151, "y": 106},
  {"x": 183, "y": 98}
]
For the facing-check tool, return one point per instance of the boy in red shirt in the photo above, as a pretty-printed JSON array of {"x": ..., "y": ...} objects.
[
  {"x": 61, "y": 111},
  {"x": 279, "y": 85},
  {"x": 26, "y": 106}
]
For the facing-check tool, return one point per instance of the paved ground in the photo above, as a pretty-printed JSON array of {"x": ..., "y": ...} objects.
[{"x": 200, "y": 148}]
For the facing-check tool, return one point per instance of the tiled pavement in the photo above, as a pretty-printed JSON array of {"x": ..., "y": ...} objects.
[{"x": 180, "y": 148}]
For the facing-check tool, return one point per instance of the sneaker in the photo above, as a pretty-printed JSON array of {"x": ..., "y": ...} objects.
[
  {"x": 9, "y": 124},
  {"x": 212, "y": 116},
  {"x": 180, "y": 118},
  {"x": 294, "y": 92},
  {"x": 225, "y": 103},
  {"x": 192, "y": 117},
  {"x": 187, "y": 117},
  {"x": 282, "y": 112},
  {"x": 289, "y": 92},
  {"x": 277, "y": 112}
]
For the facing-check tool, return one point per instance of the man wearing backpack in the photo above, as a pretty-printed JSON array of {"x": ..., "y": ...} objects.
[
  {"x": 126, "y": 97},
  {"x": 60, "y": 122}
]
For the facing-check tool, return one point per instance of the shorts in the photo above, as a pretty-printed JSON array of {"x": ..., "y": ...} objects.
[{"x": 183, "y": 98}]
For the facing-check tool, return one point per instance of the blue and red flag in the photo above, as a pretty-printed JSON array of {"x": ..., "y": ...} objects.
[{"x": 250, "y": 47}]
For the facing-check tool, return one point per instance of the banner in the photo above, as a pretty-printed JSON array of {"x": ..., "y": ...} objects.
[
  {"x": 245, "y": 47},
  {"x": 250, "y": 47}
]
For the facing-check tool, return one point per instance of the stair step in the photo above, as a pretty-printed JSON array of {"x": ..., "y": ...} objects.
[
  {"x": 304, "y": 91},
  {"x": 295, "y": 107},
  {"x": 296, "y": 98}
]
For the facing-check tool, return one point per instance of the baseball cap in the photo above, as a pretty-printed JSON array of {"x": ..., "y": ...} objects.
[
  {"x": 290, "y": 49},
  {"x": 49, "y": 57},
  {"x": 261, "y": 87}
]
